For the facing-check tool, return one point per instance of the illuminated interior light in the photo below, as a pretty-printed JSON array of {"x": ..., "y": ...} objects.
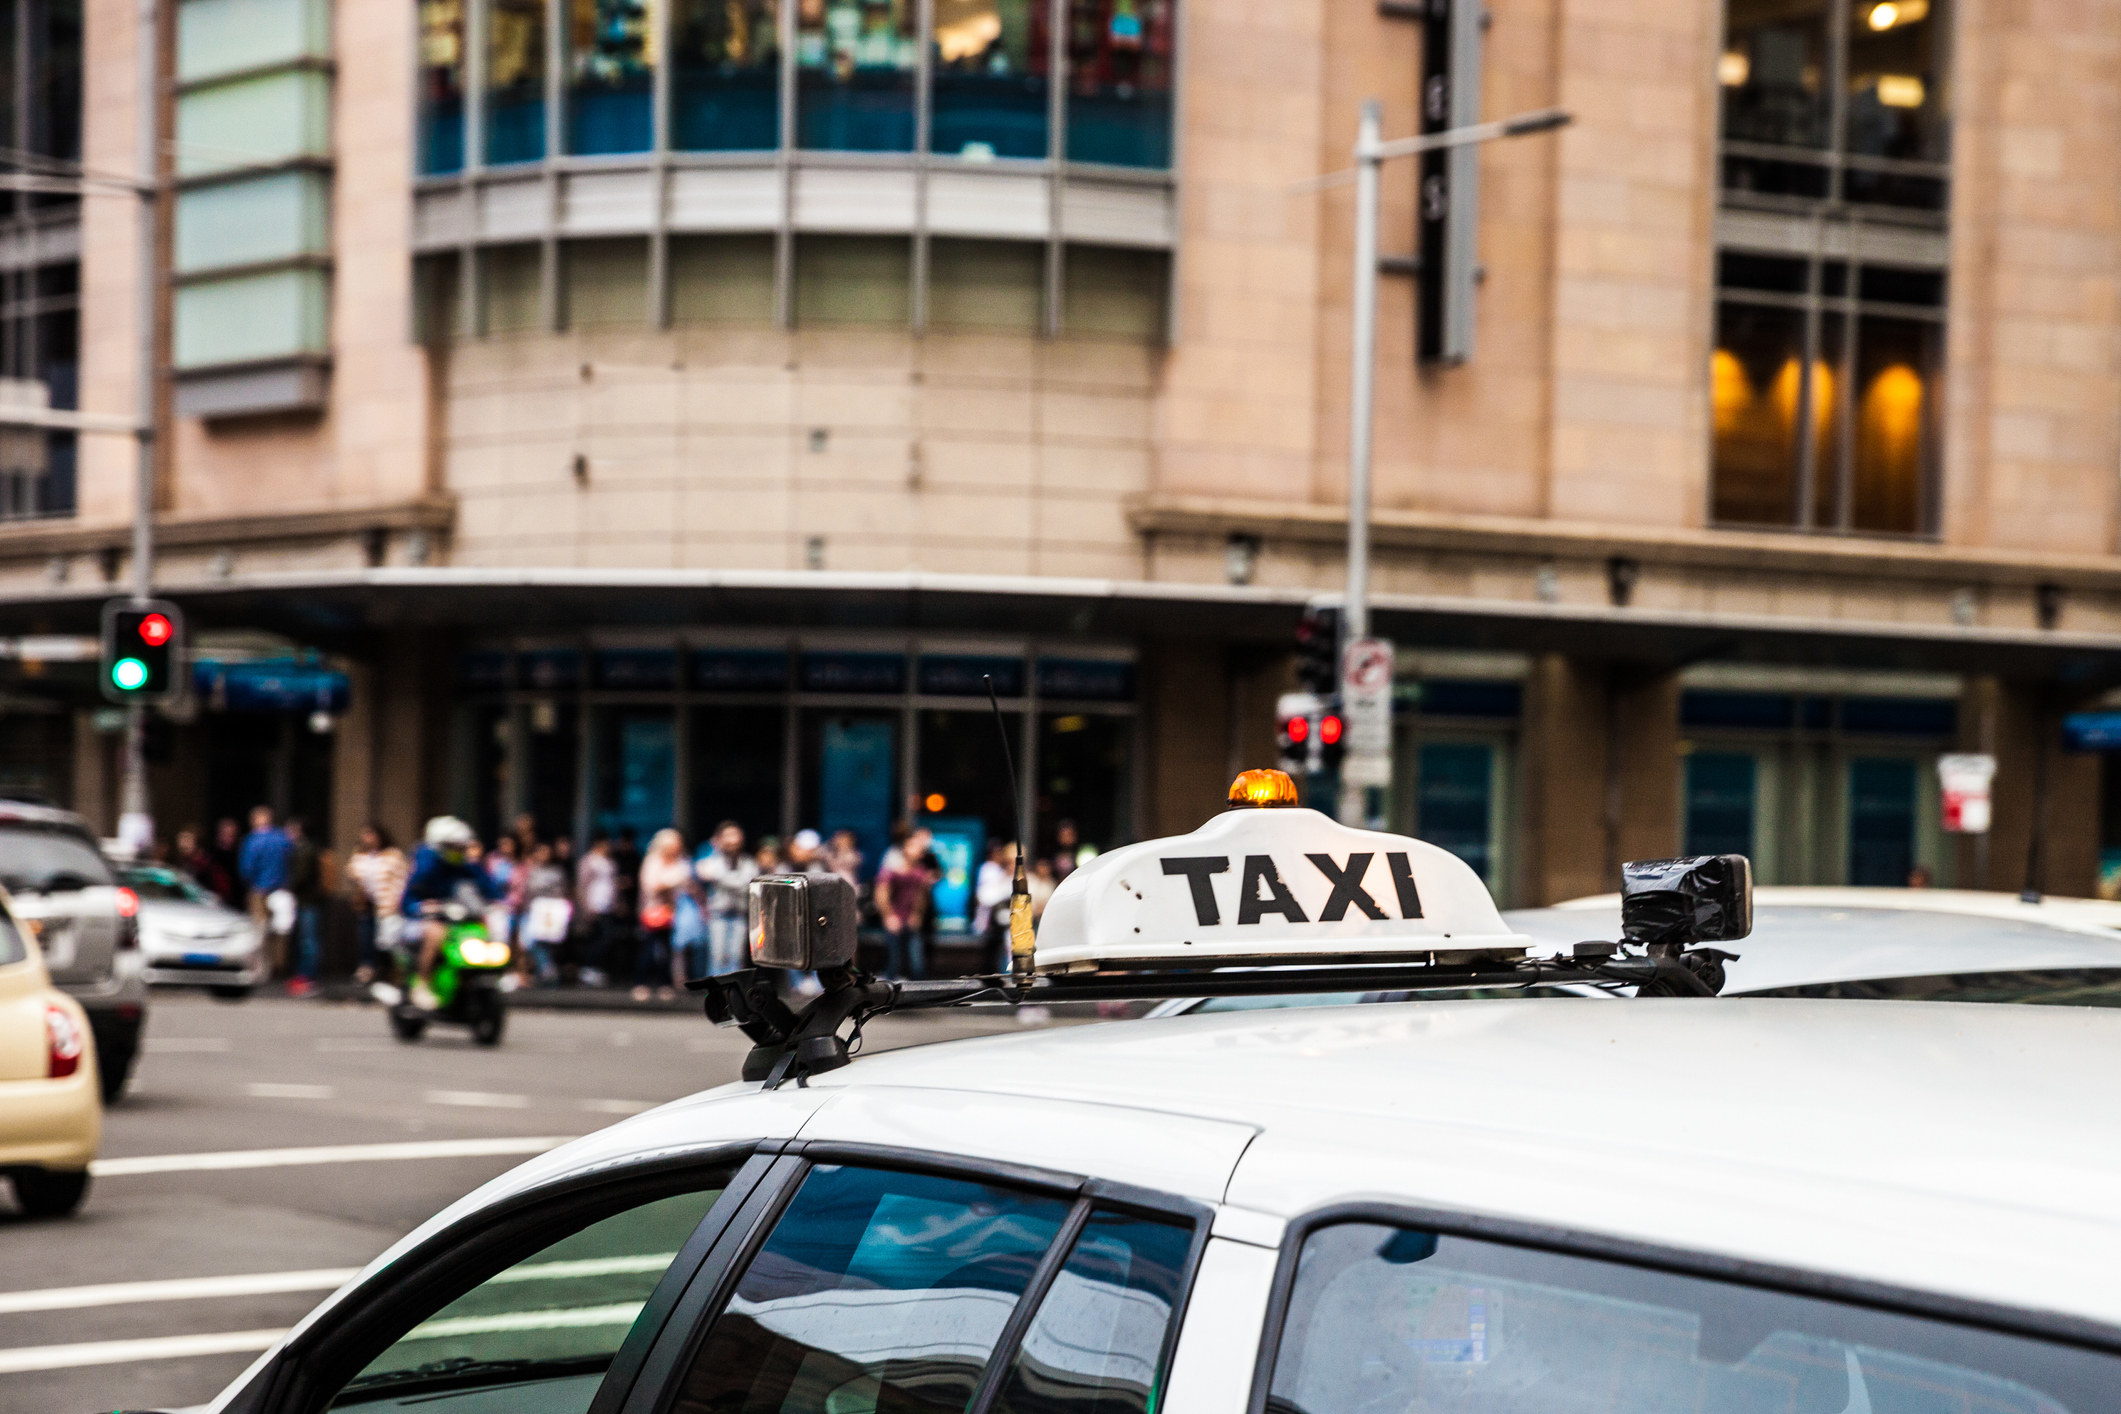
[
  {"x": 1733, "y": 68},
  {"x": 1900, "y": 90}
]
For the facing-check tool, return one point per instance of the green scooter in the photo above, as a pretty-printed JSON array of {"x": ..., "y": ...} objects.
[{"x": 466, "y": 981}]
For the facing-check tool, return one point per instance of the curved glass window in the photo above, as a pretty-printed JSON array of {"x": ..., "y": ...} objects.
[
  {"x": 515, "y": 81},
  {"x": 1119, "y": 81},
  {"x": 855, "y": 62},
  {"x": 441, "y": 118},
  {"x": 725, "y": 58},
  {"x": 610, "y": 77},
  {"x": 991, "y": 95},
  {"x": 1392, "y": 1318}
]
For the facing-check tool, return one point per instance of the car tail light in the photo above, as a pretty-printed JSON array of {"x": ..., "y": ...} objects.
[
  {"x": 64, "y": 1042},
  {"x": 128, "y": 918}
]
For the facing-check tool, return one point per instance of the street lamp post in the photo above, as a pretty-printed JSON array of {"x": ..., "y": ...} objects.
[{"x": 1367, "y": 767}]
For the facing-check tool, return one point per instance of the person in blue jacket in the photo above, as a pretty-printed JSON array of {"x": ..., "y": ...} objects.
[{"x": 441, "y": 869}]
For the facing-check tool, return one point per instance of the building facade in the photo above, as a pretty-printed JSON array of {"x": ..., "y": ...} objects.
[{"x": 632, "y": 412}]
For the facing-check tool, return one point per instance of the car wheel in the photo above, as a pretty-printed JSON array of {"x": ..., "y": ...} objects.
[
  {"x": 113, "y": 1069},
  {"x": 407, "y": 1028},
  {"x": 488, "y": 1021},
  {"x": 230, "y": 994},
  {"x": 50, "y": 1193}
]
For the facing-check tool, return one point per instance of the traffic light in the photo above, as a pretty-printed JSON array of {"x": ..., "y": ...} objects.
[
  {"x": 143, "y": 644},
  {"x": 1318, "y": 650},
  {"x": 1331, "y": 746},
  {"x": 1449, "y": 205}
]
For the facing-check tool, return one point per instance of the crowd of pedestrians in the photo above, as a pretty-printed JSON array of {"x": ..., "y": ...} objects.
[{"x": 616, "y": 913}]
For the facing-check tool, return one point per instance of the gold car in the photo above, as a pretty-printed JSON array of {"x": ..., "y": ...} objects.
[{"x": 51, "y": 1114}]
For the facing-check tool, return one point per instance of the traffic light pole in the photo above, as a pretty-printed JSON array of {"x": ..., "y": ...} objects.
[
  {"x": 1371, "y": 153},
  {"x": 136, "y": 821}
]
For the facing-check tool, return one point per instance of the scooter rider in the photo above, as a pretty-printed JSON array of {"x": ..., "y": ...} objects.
[{"x": 440, "y": 870}]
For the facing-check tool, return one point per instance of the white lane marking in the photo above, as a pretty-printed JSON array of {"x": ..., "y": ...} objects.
[
  {"x": 326, "y": 1154},
  {"x": 120, "y": 1352},
  {"x": 190, "y": 1044},
  {"x": 477, "y": 1099},
  {"x": 621, "y": 1314},
  {"x": 584, "y": 1267},
  {"x": 273, "y": 1090},
  {"x": 127, "y": 1293},
  {"x": 619, "y": 1107}
]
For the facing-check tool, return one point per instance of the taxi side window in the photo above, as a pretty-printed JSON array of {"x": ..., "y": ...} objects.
[
  {"x": 1383, "y": 1317},
  {"x": 1097, "y": 1344},
  {"x": 882, "y": 1292},
  {"x": 546, "y": 1328}
]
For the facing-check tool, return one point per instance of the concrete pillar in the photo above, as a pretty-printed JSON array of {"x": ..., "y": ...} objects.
[
  {"x": 2020, "y": 723},
  {"x": 1598, "y": 775},
  {"x": 355, "y": 756},
  {"x": 404, "y": 755},
  {"x": 1186, "y": 733},
  {"x": 95, "y": 773}
]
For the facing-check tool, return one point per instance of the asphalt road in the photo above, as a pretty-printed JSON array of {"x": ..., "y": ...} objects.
[{"x": 275, "y": 1074}]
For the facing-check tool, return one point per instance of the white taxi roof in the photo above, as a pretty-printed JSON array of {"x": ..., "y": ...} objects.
[
  {"x": 1804, "y": 936},
  {"x": 1931, "y": 1146}
]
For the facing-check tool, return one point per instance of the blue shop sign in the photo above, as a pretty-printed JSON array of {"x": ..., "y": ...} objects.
[
  {"x": 270, "y": 685},
  {"x": 2092, "y": 731}
]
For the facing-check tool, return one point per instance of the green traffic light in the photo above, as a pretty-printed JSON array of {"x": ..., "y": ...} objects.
[{"x": 128, "y": 674}]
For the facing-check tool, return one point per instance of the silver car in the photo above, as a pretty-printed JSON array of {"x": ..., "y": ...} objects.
[
  {"x": 189, "y": 938},
  {"x": 63, "y": 890}
]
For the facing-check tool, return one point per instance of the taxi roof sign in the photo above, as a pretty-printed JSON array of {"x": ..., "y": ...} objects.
[{"x": 1267, "y": 886}]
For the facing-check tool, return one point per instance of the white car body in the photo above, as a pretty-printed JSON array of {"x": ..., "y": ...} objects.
[
  {"x": 189, "y": 938},
  {"x": 1945, "y": 1153}
]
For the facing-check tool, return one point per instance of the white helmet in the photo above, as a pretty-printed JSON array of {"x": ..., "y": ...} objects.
[{"x": 448, "y": 832}]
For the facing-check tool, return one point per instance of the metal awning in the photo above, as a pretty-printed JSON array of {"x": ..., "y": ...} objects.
[{"x": 348, "y": 611}]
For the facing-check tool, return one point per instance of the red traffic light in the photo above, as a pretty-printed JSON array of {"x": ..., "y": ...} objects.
[
  {"x": 1329, "y": 730},
  {"x": 156, "y": 630},
  {"x": 1296, "y": 729}
]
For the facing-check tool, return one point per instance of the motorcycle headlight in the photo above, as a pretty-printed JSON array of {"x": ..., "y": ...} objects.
[{"x": 483, "y": 952}]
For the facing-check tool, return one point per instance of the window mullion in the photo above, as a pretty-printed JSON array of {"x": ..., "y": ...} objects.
[{"x": 1049, "y": 1266}]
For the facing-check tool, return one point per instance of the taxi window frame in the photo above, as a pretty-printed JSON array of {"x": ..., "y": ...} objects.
[
  {"x": 2073, "y": 1331},
  {"x": 315, "y": 1363},
  {"x": 662, "y": 1374}
]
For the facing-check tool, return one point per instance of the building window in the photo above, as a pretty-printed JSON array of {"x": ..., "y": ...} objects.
[
  {"x": 515, "y": 81},
  {"x": 39, "y": 291},
  {"x": 725, "y": 76},
  {"x": 1831, "y": 270},
  {"x": 611, "y": 77},
  {"x": 441, "y": 117},
  {"x": 855, "y": 63},
  {"x": 1119, "y": 81},
  {"x": 991, "y": 96},
  {"x": 252, "y": 230}
]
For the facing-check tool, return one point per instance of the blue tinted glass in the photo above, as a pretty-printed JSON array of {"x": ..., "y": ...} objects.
[
  {"x": 611, "y": 77},
  {"x": 875, "y": 1291},
  {"x": 1119, "y": 81},
  {"x": 991, "y": 95},
  {"x": 441, "y": 136},
  {"x": 725, "y": 58},
  {"x": 1455, "y": 799},
  {"x": 515, "y": 81},
  {"x": 1096, "y": 1345},
  {"x": 1719, "y": 802},
  {"x": 1376, "y": 1322},
  {"x": 854, "y": 74},
  {"x": 1881, "y": 821}
]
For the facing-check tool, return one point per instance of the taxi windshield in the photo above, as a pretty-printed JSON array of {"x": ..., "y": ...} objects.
[{"x": 167, "y": 885}]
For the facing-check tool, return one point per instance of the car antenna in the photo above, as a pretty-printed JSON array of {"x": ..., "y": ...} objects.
[{"x": 1021, "y": 937}]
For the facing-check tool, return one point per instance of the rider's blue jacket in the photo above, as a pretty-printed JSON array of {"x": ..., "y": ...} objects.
[{"x": 435, "y": 879}]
